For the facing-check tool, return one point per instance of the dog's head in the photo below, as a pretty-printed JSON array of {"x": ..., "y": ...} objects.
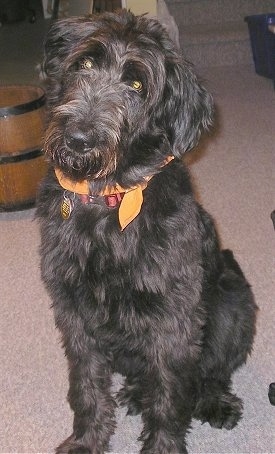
[{"x": 120, "y": 98}]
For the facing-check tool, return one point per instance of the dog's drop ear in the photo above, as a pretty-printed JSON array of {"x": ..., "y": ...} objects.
[
  {"x": 188, "y": 107},
  {"x": 60, "y": 42},
  {"x": 57, "y": 46}
]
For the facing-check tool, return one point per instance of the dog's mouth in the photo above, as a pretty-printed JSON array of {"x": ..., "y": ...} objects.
[
  {"x": 92, "y": 165},
  {"x": 80, "y": 161},
  {"x": 82, "y": 150}
]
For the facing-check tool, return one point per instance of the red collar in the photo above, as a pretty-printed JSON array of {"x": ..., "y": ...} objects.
[{"x": 111, "y": 201}]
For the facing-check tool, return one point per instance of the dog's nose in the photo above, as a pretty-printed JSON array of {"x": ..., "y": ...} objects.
[{"x": 77, "y": 141}]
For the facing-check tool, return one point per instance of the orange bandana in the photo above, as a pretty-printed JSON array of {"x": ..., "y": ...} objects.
[{"x": 130, "y": 204}]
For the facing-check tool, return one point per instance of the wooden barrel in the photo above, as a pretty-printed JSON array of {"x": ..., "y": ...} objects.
[{"x": 22, "y": 163}]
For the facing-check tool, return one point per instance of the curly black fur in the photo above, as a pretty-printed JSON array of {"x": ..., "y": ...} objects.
[{"x": 159, "y": 303}]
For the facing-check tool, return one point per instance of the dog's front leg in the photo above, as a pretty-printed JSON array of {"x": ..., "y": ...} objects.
[
  {"x": 167, "y": 412},
  {"x": 89, "y": 395}
]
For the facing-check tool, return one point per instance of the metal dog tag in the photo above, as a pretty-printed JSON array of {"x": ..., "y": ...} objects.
[{"x": 67, "y": 206}]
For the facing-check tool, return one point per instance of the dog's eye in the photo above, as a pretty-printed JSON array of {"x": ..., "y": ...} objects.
[
  {"x": 87, "y": 63},
  {"x": 137, "y": 85}
]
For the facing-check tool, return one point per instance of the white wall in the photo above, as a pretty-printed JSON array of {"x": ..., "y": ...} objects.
[
  {"x": 72, "y": 7},
  {"x": 141, "y": 6}
]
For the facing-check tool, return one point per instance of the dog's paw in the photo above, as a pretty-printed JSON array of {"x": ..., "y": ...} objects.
[
  {"x": 222, "y": 411},
  {"x": 73, "y": 446}
]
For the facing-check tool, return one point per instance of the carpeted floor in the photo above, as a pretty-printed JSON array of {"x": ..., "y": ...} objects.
[{"x": 233, "y": 174}]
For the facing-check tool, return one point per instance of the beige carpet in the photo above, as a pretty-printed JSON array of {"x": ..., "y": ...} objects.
[{"x": 234, "y": 178}]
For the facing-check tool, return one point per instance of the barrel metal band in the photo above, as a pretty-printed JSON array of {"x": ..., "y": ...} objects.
[
  {"x": 23, "y": 108},
  {"x": 24, "y": 156}
]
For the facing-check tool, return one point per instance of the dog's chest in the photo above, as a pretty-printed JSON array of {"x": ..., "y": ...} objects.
[
  {"x": 91, "y": 251},
  {"x": 132, "y": 289},
  {"x": 133, "y": 280}
]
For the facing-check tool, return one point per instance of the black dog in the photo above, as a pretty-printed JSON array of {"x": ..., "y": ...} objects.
[{"x": 131, "y": 261}]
